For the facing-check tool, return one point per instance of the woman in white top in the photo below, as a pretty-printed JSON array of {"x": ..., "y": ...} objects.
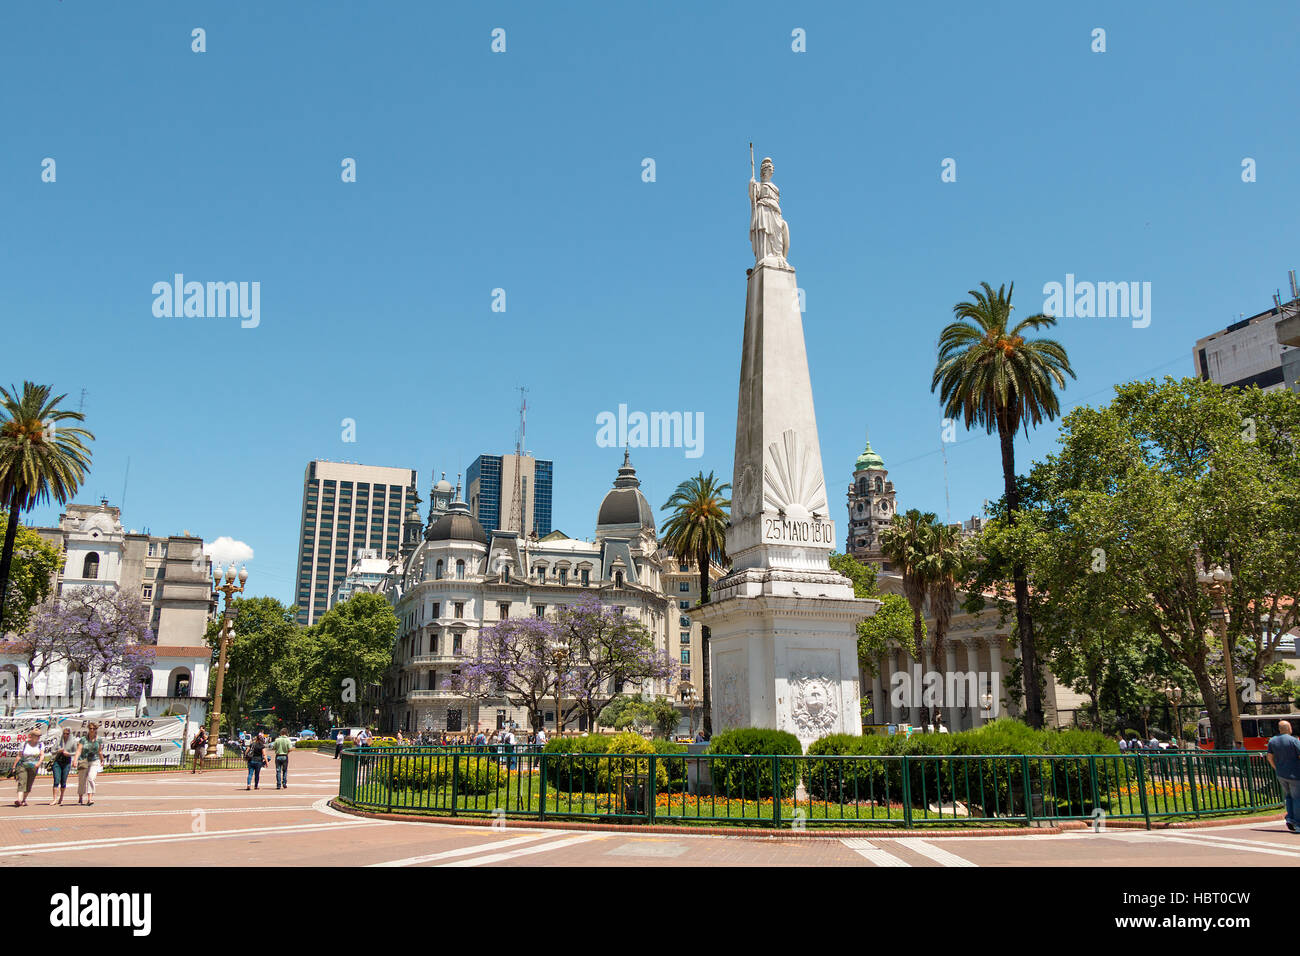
[{"x": 30, "y": 755}]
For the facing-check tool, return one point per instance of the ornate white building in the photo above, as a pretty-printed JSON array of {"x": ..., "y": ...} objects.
[
  {"x": 460, "y": 579},
  {"x": 872, "y": 506}
]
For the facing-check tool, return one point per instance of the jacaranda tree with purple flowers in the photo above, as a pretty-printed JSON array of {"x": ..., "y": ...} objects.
[
  {"x": 607, "y": 651},
  {"x": 515, "y": 661},
  {"x": 101, "y": 634}
]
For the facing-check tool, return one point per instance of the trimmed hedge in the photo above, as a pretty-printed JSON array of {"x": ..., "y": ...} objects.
[
  {"x": 997, "y": 783},
  {"x": 750, "y": 777},
  {"x": 574, "y": 764},
  {"x": 474, "y": 775}
]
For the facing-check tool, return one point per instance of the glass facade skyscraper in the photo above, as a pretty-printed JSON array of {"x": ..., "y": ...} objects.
[{"x": 490, "y": 483}]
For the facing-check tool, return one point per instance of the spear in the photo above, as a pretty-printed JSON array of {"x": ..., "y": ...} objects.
[{"x": 751, "y": 160}]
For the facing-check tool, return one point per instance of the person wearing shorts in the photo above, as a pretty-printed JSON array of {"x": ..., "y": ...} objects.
[
  {"x": 61, "y": 766},
  {"x": 30, "y": 754},
  {"x": 89, "y": 764},
  {"x": 199, "y": 746}
]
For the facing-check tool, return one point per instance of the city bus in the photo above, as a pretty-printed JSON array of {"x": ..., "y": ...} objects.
[{"x": 1256, "y": 729}]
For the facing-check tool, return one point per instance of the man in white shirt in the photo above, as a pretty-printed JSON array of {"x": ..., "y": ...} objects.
[
  {"x": 541, "y": 737},
  {"x": 338, "y": 745}
]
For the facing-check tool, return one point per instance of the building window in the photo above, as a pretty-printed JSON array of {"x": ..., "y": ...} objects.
[
  {"x": 684, "y": 605},
  {"x": 684, "y": 621},
  {"x": 453, "y": 721},
  {"x": 437, "y": 610},
  {"x": 458, "y": 644},
  {"x": 686, "y": 637},
  {"x": 683, "y": 568},
  {"x": 586, "y": 577},
  {"x": 541, "y": 610},
  {"x": 686, "y": 673},
  {"x": 686, "y": 655},
  {"x": 618, "y": 579},
  {"x": 503, "y": 610},
  {"x": 90, "y": 567},
  {"x": 152, "y": 548},
  {"x": 147, "y": 592},
  {"x": 437, "y": 570},
  {"x": 564, "y": 575},
  {"x": 684, "y": 587},
  {"x": 460, "y": 609},
  {"x": 460, "y": 570}
]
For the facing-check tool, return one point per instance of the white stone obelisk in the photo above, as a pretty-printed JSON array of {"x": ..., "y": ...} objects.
[{"x": 783, "y": 648}]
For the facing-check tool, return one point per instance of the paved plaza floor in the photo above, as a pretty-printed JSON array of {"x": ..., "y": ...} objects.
[{"x": 210, "y": 820}]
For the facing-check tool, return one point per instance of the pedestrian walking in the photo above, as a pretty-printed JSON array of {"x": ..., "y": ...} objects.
[
  {"x": 282, "y": 747},
  {"x": 1284, "y": 758},
  {"x": 256, "y": 756},
  {"x": 89, "y": 764},
  {"x": 61, "y": 765},
  {"x": 338, "y": 745},
  {"x": 199, "y": 747},
  {"x": 28, "y": 761}
]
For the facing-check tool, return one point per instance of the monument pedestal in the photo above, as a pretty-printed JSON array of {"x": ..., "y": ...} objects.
[{"x": 786, "y": 661}]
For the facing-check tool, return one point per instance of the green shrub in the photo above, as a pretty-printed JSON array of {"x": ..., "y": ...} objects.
[
  {"x": 613, "y": 770},
  {"x": 474, "y": 775},
  {"x": 750, "y": 777},
  {"x": 676, "y": 767},
  {"x": 571, "y": 763}
]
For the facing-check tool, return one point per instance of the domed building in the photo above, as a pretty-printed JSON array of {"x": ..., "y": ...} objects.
[{"x": 461, "y": 578}]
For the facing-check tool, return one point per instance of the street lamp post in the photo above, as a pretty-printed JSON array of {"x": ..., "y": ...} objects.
[
  {"x": 1175, "y": 697},
  {"x": 689, "y": 696},
  {"x": 1217, "y": 583},
  {"x": 228, "y": 588}
]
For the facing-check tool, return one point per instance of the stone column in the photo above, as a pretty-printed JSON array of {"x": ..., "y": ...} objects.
[
  {"x": 950, "y": 667},
  {"x": 879, "y": 703}
]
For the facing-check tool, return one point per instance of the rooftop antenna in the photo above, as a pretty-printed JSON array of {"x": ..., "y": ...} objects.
[
  {"x": 125, "y": 478},
  {"x": 81, "y": 408},
  {"x": 1295, "y": 292},
  {"x": 517, "y": 504},
  {"x": 947, "y": 501}
]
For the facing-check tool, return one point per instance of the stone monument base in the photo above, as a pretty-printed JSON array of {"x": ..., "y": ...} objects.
[{"x": 787, "y": 661}]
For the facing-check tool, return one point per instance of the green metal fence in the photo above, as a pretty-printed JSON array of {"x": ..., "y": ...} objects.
[{"x": 798, "y": 792}]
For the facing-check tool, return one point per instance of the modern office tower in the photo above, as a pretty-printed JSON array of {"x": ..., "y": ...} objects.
[
  {"x": 490, "y": 492},
  {"x": 347, "y": 507}
]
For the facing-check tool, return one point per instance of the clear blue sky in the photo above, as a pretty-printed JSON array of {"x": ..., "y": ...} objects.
[{"x": 522, "y": 171}]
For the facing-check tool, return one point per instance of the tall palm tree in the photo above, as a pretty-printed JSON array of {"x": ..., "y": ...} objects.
[
  {"x": 39, "y": 459},
  {"x": 989, "y": 374},
  {"x": 907, "y": 544},
  {"x": 697, "y": 533},
  {"x": 948, "y": 562}
]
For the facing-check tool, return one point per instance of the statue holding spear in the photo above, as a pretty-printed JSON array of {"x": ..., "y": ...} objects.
[{"x": 768, "y": 232}]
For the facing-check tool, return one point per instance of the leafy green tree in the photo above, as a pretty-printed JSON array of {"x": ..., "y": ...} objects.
[
  {"x": 862, "y": 575},
  {"x": 892, "y": 623},
  {"x": 35, "y": 563},
  {"x": 697, "y": 533},
  {"x": 40, "y": 459},
  {"x": 354, "y": 646},
  {"x": 989, "y": 374},
  {"x": 266, "y": 637},
  {"x": 1167, "y": 481}
]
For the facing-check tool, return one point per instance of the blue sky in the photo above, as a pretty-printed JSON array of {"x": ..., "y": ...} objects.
[{"x": 523, "y": 171}]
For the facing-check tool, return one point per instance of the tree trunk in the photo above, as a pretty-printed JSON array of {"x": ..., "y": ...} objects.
[
  {"x": 1220, "y": 717},
  {"x": 7, "y": 556},
  {"x": 1024, "y": 624},
  {"x": 706, "y": 724}
]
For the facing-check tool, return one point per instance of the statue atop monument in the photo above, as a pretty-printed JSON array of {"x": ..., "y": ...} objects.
[{"x": 768, "y": 233}]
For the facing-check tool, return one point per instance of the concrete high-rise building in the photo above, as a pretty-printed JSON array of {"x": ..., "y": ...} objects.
[
  {"x": 490, "y": 490},
  {"x": 347, "y": 508},
  {"x": 1248, "y": 353}
]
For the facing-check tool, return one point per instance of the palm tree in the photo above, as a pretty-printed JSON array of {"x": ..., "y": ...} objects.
[
  {"x": 39, "y": 459},
  {"x": 697, "y": 532},
  {"x": 988, "y": 374},
  {"x": 948, "y": 562},
  {"x": 907, "y": 544}
]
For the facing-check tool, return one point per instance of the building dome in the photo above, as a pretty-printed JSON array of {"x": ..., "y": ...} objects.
[
  {"x": 457, "y": 525},
  {"x": 443, "y": 484},
  {"x": 624, "y": 504},
  {"x": 868, "y": 459}
]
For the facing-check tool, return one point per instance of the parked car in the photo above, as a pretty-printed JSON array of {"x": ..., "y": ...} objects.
[{"x": 306, "y": 734}]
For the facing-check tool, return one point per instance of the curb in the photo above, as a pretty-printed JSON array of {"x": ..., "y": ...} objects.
[{"x": 718, "y": 831}]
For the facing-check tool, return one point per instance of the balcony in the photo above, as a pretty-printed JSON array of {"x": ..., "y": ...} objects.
[
  {"x": 432, "y": 660},
  {"x": 425, "y": 694}
]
